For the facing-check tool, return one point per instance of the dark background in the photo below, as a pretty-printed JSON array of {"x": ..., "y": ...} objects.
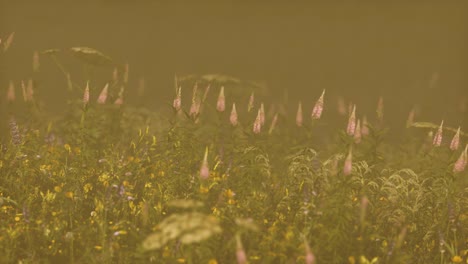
[{"x": 409, "y": 52}]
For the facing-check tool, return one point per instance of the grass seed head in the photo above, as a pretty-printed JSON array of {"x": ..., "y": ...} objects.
[{"x": 438, "y": 136}]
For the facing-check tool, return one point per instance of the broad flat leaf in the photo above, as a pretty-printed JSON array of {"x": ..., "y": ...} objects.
[
  {"x": 92, "y": 56},
  {"x": 435, "y": 126}
]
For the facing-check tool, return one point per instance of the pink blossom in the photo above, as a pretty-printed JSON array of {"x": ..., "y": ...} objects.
[
  {"x": 119, "y": 101},
  {"x": 178, "y": 100},
  {"x": 352, "y": 122},
  {"x": 257, "y": 126},
  {"x": 103, "y": 95},
  {"x": 233, "y": 116},
  {"x": 221, "y": 104},
  {"x": 460, "y": 164},
  {"x": 318, "y": 108},
  {"x": 204, "y": 170},
  {"x": 438, "y": 136},
  {"x": 86, "y": 94},
  {"x": 262, "y": 114},
  {"x": 455, "y": 140}
]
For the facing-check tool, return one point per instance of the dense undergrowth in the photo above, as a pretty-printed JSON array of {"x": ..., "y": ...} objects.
[{"x": 111, "y": 183}]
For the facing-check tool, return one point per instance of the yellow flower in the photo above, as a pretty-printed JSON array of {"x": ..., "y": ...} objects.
[
  {"x": 69, "y": 195},
  {"x": 98, "y": 247},
  {"x": 68, "y": 148},
  {"x": 180, "y": 260},
  {"x": 204, "y": 189},
  {"x": 57, "y": 188},
  {"x": 87, "y": 187},
  {"x": 17, "y": 218},
  {"x": 457, "y": 259},
  {"x": 229, "y": 193},
  {"x": 212, "y": 261}
]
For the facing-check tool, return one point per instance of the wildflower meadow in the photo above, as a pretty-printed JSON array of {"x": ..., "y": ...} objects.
[{"x": 221, "y": 175}]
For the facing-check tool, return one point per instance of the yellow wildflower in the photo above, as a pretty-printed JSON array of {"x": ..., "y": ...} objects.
[{"x": 457, "y": 259}]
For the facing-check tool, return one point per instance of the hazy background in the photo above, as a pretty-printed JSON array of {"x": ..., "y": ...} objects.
[{"x": 410, "y": 52}]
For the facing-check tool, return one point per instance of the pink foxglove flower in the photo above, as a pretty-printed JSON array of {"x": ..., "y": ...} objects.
[
  {"x": 233, "y": 116},
  {"x": 438, "y": 136},
  {"x": 11, "y": 92},
  {"x": 103, "y": 95},
  {"x": 318, "y": 108},
  {"x": 364, "y": 127},
  {"x": 455, "y": 140},
  {"x": 221, "y": 104},
  {"x": 178, "y": 100},
  {"x": 357, "y": 132},
  {"x": 241, "y": 257},
  {"x": 257, "y": 126},
  {"x": 204, "y": 170},
  {"x": 86, "y": 94},
  {"x": 119, "y": 101},
  {"x": 273, "y": 123},
  {"x": 309, "y": 257},
  {"x": 299, "y": 115},
  {"x": 251, "y": 102},
  {"x": 262, "y": 114},
  {"x": 461, "y": 162},
  {"x": 352, "y": 122},
  {"x": 348, "y": 165}
]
